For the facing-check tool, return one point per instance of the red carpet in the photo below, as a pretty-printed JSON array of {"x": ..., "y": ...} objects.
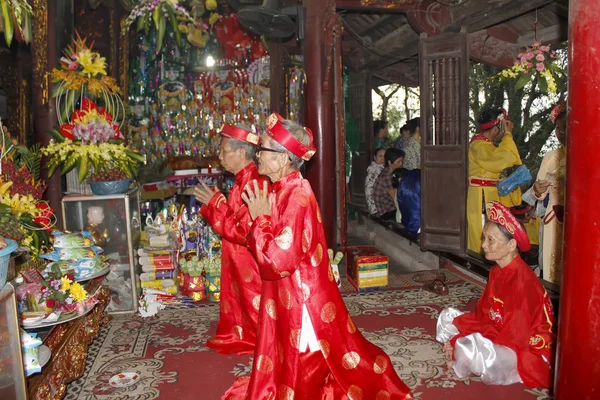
[{"x": 169, "y": 354}]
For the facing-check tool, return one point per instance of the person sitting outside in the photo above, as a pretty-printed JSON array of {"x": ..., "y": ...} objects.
[
  {"x": 412, "y": 145},
  {"x": 373, "y": 172},
  {"x": 383, "y": 192},
  {"x": 408, "y": 198},
  {"x": 380, "y": 129},
  {"x": 404, "y": 134},
  {"x": 396, "y": 177},
  {"x": 509, "y": 337},
  {"x": 486, "y": 163}
]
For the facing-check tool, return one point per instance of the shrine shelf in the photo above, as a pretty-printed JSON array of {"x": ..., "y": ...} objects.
[{"x": 68, "y": 344}]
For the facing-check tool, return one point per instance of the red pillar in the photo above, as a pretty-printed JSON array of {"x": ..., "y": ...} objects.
[
  {"x": 578, "y": 366},
  {"x": 318, "y": 105}
]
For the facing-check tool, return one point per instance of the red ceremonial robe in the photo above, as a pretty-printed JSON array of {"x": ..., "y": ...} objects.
[
  {"x": 240, "y": 281},
  {"x": 515, "y": 311},
  {"x": 289, "y": 245}
]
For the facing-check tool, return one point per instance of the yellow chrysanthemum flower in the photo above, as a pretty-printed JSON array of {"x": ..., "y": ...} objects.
[
  {"x": 214, "y": 17},
  {"x": 65, "y": 284},
  {"x": 78, "y": 293},
  {"x": 211, "y": 4}
]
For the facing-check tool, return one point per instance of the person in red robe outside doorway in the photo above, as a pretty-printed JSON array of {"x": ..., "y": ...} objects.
[
  {"x": 509, "y": 337},
  {"x": 229, "y": 218},
  {"x": 308, "y": 346}
]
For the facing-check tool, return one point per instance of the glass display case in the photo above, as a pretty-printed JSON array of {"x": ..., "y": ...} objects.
[
  {"x": 12, "y": 373},
  {"x": 114, "y": 221}
]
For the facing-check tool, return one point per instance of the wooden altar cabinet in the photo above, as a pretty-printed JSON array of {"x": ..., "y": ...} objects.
[{"x": 68, "y": 344}]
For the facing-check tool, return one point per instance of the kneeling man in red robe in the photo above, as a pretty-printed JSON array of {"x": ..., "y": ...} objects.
[{"x": 508, "y": 338}]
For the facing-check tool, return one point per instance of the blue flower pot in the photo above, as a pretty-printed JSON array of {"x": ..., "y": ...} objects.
[{"x": 110, "y": 187}]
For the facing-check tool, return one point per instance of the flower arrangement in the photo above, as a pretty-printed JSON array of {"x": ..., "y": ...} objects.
[
  {"x": 82, "y": 73},
  {"x": 24, "y": 216},
  {"x": 536, "y": 61},
  {"x": 60, "y": 292},
  {"x": 56, "y": 293},
  {"x": 91, "y": 139},
  {"x": 155, "y": 13},
  {"x": 15, "y": 20}
]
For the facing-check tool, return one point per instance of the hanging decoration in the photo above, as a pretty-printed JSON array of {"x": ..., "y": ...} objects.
[
  {"x": 153, "y": 14},
  {"x": 82, "y": 74},
  {"x": 15, "y": 20},
  {"x": 536, "y": 63},
  {"x": 179, "y": 97}
]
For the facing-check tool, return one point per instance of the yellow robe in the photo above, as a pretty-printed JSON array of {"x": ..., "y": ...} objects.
[
  {"x": 553, "y": 169},
  {"x": 488, "y": 161}
]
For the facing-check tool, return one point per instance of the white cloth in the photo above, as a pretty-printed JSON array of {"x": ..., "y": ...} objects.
[
  {"x": 308, "y": 338},
  {"x": 477, "y": 355}
]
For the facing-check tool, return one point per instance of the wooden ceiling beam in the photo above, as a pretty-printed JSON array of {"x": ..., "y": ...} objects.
[
  {"x": 549, "y": 35},
  {"x": 383, "y": 21},
  {"x": 398, "y": 45},
  {"x": 478, "y": 15},
  {"x": 404, "y": 73},
  {"x": 388, "y": 6}
]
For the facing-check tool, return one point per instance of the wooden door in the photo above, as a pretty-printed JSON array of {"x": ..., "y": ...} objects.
[
  {"x": 359, "y": 94},
  {"x": 443, "y": 64}
]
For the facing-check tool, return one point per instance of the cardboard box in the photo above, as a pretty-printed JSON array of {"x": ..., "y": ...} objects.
[{"x": 367, "y": 268}]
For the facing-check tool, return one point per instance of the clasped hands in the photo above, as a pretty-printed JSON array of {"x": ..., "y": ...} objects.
[{"x": 256, "y": 199}]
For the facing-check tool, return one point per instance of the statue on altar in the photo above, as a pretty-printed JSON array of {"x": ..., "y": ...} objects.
[{"x": 95, "y": 225}]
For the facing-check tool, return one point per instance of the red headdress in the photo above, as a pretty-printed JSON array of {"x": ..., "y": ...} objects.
[
  {"x": 240, "y": 134},
  {"x": 277, "y": 132},
  {"x": 498, "y": 120},
  {"x": 559, "y": 108},
  {"x": 499, "y": 214}
]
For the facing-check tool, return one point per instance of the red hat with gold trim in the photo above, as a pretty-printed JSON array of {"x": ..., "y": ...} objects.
[
  {"x": 244, "y": 135},
  {"x": 503, "y": 116},
  {"x": 500, "y": 214},
  {"x": 277, "y": 132}
]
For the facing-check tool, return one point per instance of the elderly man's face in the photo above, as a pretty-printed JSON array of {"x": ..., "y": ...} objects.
[{"x": 269, "y": 162}]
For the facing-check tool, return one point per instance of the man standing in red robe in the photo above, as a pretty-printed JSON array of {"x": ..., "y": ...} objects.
[
  {"x": 240, "y": 281},
  {"x": 308, "y": 347},
  {"x": 508, "y": 338}
]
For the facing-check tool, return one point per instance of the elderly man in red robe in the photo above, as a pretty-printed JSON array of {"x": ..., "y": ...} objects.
[
  {"x": 308, "y": 346},
  {"x": 508, "y": 338},
  {"x": 229, "y": 218}
]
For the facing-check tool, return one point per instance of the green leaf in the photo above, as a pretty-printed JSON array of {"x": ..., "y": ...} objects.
[
  {"x": 140, "y": 23},
  {"x": 173, "y": 20},
  {"x": 522, "y": 81},
  {"x": 52, "y": 166},
  {"x": 56, "y": 135},
  {"x": 156, "y": 16},
  {"x": 69, "y": 164},
  {"x": 161, "y": 33},
  {"x": 147, "y": 24},
  {"x": 134, "y": 155},
  {"x": 82, "y": 167},
  {"x": 543, "y": 84}
]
